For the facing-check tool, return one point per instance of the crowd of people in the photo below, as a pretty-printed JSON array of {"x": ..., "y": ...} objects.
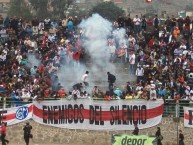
[
  {"x": 161, "y": 58},
  {"x": 159, "y": 53}
]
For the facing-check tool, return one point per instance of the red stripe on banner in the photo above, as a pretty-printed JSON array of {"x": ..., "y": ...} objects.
[
  {"x": 12, "y": 116},
  {"x": 187, "y": 116},
  {"x": 114, "y": 114}
]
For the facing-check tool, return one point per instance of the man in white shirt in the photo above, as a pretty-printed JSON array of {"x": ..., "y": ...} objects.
[
  {"x": 64, "y": 22},
  {"x": 131, "y": 62},
  {"x": 3, "y": 34},
  {"x": 137, "y": 24},
  {"x": 83, "y": 95},
  {"x": 76, "y": 93},
  {"x": 25, "y": 95},
  {"x": 85, "y": 79},
  {"x": 153, "y": 94},
  {"x": 131, "y": 40},
  {"x": 139, "y": 73}
]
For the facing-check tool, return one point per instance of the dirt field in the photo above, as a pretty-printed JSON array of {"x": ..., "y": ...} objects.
[
  {"x": 45, "y": 144},
  {"x": 31, "y": 143},
  {"x": 48, "y": 144}
]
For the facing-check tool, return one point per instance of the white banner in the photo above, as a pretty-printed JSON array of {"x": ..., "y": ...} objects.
[
  {"x": 188, "y": 116},
  {"x": 99, "y": 115},
  {"x": 16, "y": 115}
]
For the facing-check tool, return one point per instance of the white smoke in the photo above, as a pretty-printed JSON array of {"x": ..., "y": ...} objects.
[
  {"x": 33, "y": 61},
  {"x": 120, "y": 36},
  {"x": 95, "y": 32}
]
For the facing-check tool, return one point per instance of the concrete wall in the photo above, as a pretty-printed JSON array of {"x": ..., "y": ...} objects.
[{"x": 51, "y": 135}]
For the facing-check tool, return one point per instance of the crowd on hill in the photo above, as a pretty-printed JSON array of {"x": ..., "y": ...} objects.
[{"x": 160, "y": 55}]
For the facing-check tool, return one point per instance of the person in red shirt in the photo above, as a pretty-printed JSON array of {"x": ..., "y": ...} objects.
[
  {"x": 61, "y": 93},
  {"x": 41, "y": 70},
  {"x": 3, "y": 134},
  {"x": 191, "y": 65},
  {"x": 47, "y": 93},
  {"x": 151, "y": 42}
]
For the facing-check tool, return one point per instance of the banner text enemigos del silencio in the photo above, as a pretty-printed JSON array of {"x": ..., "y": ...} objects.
[{"x": 76, "y": 113}]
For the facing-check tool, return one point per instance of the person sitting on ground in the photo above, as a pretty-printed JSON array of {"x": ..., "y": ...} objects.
[
  {"x": 69, "y": 96},
  {"x": 128, "y": 96},
  {"x": 95, "y": 91},
  {"x": 61, "y": 93},
  {"x": 118, "y": 93},
  {"x": 76, "y": 92},
  {"x": 83, "y": 95}
]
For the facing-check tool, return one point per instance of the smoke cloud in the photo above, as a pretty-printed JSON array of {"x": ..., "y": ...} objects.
[
  {"x": 95, "y": 32},
  {"x": 33, "y": 61}
]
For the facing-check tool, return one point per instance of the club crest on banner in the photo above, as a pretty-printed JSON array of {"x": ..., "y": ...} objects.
[{"x": 22, "y": 113}]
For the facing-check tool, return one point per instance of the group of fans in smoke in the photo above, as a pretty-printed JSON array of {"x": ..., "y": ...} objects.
[{"x": 160, "y": 55}]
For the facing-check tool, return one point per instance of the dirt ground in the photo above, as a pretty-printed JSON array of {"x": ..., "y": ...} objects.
[
  {"x": 46, "y": 144},
  {"x": 31, "y": 143}
]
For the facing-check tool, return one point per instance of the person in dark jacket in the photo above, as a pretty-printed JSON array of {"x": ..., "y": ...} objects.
[
  {"x": 79, "y": 86},
  {"x": 158, "y": 136},
  {"x": 181, "y": 138},
  {"x": 136, "y": 130},
  {"x": 27, "y": 133},
  {"x": 129, "y": 88},
  {"x": 111, "y": 80}
]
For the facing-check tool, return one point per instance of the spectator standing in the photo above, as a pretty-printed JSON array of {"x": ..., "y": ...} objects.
[
  {"x": 137, "y": 24},
  {"x": 139, "y": 73},
  {"x": 128, "y": 24},
  {"x": 176, "y": 33},
  {"x": 181, "y": 138},
  {"x": 27, "y": 133},
  {"x": 70, "y": 25},
  {"x": 14, "y": 24},
  {"x": 1, "y": 21},
  {"x": 41, "y": 27},
  {"x": 158, "y": 136},
  {"x": 35, "y": 25},
  {"x": 3, "y": 134},
  {"x": 111, "y": 80},
  {"x": 136, "y": 130},
  {"x": 156, "y": 22},
  {"x": 180, "y": 23},
  {"x": 144, "y": 23},
  {"x": 120, "y": 21},
  {"x": 64, "y": 22},
  {"x": 47, "y": 23},
  {"x": 3, "y": 33},
  {"x": 131, "y": 62},
  {"x": 173, "y": 24},
  {"x": 153, "y": 93},
  {"x": 168, "y": 24},
  {"x": 187, "y": 22},
  {"x": 85, "y": 79}
]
